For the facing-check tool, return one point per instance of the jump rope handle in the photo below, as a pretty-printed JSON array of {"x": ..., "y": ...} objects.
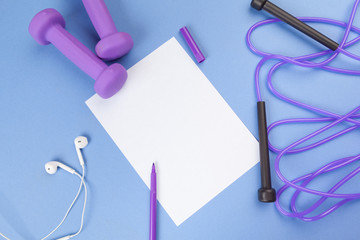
[
  {"x": 266, "y": 193},
  {"x": 294, "y": 22}
]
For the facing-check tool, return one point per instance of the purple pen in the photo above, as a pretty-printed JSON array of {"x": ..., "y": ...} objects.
[
  {"x": 192, "y": 44},
  {"x": 153, "y": 204}
]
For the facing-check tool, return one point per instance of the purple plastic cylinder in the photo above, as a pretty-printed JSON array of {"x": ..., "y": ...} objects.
[
  {"x": 192, "y": 44},
  {"x": 113, "y": 44}
]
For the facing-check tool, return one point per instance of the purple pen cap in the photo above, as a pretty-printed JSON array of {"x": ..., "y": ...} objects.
[{"x": 192, "y": 44}]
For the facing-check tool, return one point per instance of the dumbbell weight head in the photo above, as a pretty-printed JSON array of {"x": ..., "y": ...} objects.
[
  {"x": 42, "y": 22},
  {"x": 114, "y": 46},
  {"x": 110, "y": 81}
]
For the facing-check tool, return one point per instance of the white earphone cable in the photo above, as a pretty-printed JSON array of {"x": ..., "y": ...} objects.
[
  {"x": 80, "y": 142},
  {"x": 84, "y": 206},
  {"x": 72, "y": 204},
  {"x": 69, "y": 209},
  {"x": 4, "y": 236}
]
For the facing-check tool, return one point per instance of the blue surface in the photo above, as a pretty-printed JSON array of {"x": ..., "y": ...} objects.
[{"x": 42, "y": 110}]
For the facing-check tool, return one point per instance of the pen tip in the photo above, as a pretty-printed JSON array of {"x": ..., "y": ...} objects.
[{"x": 153, "y": 167}]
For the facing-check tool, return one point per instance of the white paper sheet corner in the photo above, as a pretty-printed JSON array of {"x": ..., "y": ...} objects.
[{"x": 169, "y": 112}]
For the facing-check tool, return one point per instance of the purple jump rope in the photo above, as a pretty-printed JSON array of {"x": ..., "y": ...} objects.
[{"x": 331, "y": 119}]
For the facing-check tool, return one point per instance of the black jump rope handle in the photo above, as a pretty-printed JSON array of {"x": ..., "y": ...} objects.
[
  {"x": 294, "y": 22},
  {"x": 266, "y": 193}
]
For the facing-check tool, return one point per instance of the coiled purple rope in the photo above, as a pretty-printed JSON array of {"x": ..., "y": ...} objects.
[{"x": 333, "y": 119}]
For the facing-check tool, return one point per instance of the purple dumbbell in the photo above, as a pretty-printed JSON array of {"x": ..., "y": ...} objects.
[
  {"x": 48, "y": 26},
  {"x": 113, "y": 44}
]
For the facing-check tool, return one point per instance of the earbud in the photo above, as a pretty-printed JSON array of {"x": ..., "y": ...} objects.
[
  {"x": 52, "y": 167},
  {"x": 80, "y": 143}
]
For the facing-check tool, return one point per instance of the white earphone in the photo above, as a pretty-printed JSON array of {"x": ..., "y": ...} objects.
[
  {"x": 80, "y": 143},
  {"x": 51, "y": 168}
]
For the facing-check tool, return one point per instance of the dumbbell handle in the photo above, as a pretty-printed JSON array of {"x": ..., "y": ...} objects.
[
  {"x": 100, "y": 17},
  {"x": 76, "y": 51}
]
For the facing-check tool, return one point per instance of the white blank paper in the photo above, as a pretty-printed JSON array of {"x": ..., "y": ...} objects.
[{"x": 169, "y": 113}]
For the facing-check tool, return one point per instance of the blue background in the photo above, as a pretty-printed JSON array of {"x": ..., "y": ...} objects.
[{"x": 42, "y": 110}]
